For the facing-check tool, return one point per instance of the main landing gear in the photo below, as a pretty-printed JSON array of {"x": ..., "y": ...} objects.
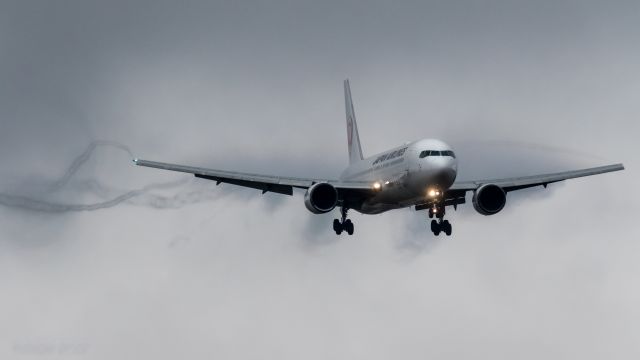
[
  {"x": 343, "y": 225},
  {"x": 440, "y": 225}
]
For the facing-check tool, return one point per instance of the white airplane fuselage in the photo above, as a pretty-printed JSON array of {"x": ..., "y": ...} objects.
[{"x": 404, "y": 177}]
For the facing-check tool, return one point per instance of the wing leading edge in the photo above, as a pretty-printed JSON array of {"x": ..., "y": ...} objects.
[
  {"x": 458, "y": 189},
  {"x": 266, "y": 183}
]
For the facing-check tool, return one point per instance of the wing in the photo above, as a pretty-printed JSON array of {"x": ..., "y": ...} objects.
[
  {"x": 266, "y": 183},
  {"x": 458, "y": 189}
]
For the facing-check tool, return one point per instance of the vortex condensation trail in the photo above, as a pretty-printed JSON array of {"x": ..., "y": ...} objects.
[
  {"x": 83, "y": 158},
  {"x": 27, "y": 203},
  {"x": 140, "y": 196}
]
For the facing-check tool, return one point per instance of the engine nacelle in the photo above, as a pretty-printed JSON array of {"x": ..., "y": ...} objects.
[
  {"x": 321, "y": 198},
  {"x": 489, "y": 199}
]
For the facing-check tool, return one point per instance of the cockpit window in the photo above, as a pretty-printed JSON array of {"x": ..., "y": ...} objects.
[
  {"x": 449, "y": 153},
  {"x": 426, "y": 153}
]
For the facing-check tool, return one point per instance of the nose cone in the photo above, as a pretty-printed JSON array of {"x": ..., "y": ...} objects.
[
  {"x": 446, "y": 177},
  {"x": 446, "y": 172}
]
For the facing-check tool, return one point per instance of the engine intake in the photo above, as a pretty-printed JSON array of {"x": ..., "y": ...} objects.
[
  {"x": 489, "y": 199},
  {"x": 321, "y": 198}
]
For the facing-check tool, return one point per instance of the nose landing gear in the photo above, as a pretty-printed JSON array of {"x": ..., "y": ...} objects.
[
  {"x": 344, "y": 224},
  {"x": 440, "y": 225},
  {"x": 436, "y": 211}
]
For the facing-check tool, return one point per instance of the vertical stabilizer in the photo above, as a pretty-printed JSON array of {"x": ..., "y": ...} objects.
[{"x": 353, "y": 139}]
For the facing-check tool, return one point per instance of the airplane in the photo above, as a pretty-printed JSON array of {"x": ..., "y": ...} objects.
[{"x": 419, "y": 174}]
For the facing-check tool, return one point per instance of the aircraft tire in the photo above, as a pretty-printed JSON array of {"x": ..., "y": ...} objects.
[
  {"x": 447, "y": 227},
  {"x": 337, "y": 226},
  {"x": 348, "y": 226},
  {"x": 435, "y": 227}
]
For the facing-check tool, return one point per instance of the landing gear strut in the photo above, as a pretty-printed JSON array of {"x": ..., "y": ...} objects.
[{"x": 344, "y": 224}]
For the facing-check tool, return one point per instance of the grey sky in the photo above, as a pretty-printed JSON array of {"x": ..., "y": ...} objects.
[{"x": 195, "y": 271}]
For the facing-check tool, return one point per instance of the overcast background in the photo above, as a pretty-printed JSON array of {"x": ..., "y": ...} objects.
[{"x": 182, "y": 269}]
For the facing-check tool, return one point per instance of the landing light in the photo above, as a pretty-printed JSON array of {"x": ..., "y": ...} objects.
[
  {"x": 433, "y": 192},
  {"x": 377, "y": 186}
]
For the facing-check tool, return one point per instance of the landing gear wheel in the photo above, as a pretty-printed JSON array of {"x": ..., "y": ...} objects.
[
  {"x": 446, "y": 227},
  {"x": 348, "y": 226},
  {"x": 337, "y": 226},
  {"x": 435, "y": 227},
  {"x": 343, "y": 224}
]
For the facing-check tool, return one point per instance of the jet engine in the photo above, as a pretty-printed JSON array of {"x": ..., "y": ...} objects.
[
  {"x": 321, "y": 198},
  {"x": 489, "y": 199}
]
